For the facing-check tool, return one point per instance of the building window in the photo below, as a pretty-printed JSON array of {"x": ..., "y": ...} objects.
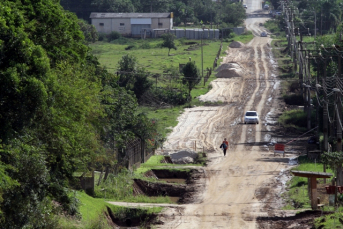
[
  {"x": 122, "y": 24},
  {"x": 160, "y": 25},
  {"x": 101, "y": 24}
]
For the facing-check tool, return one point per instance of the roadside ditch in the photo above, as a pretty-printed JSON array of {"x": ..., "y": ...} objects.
[{"x": 182, "y": 184}]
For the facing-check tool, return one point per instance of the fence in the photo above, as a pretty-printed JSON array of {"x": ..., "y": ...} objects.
[
  {"x": 135, "y": 153},
  {"x": 217, "y": 57}
]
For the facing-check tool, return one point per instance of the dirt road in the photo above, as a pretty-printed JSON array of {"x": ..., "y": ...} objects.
[{"x": 235, "y": 184}]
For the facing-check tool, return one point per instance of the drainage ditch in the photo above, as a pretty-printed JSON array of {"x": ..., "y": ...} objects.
[
  {"x": 130, "y": 217},
  {"x": 177, "y": 186}
]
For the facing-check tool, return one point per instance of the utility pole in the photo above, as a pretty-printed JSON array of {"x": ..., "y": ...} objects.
[
  {"x": 308, "y": 87},
  {"x": 339, "y": 109},
  {"x": 301, "y": 80},
  {"x": 325, "y": 111},
  {"x": 202, "y": 58}
]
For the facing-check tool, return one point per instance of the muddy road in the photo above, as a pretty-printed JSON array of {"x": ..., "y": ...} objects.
[{"x": 235, "y": 184}]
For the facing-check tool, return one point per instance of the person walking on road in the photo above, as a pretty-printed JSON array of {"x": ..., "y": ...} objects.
[{"x": 224, "y": 146}]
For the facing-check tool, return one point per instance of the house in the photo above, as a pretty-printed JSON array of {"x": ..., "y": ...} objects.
[{"x": 131, "y": 24}]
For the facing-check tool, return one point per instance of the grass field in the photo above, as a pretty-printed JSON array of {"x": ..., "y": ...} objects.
[
  {"x": 92, "y": 213},
  {"x": 156, "y": 59}
]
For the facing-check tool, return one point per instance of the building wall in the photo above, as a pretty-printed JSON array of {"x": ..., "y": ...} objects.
[
  {"x": 102, "y": 25},
  {"x": 165, "y": 23},
  {"x": 123, "y": 25}
]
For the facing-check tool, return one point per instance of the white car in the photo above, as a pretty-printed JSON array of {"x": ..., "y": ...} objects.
[
  {"x": 263, "y": 34},
  {"x": 266, "y": 7},
  {"x": 251, "y": 117},
  {"x": 245, "y": 6}
]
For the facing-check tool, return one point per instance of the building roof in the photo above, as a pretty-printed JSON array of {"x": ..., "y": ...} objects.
[
  {"x": 311, "y": 174},
  {"x": 129, "y": 15}
]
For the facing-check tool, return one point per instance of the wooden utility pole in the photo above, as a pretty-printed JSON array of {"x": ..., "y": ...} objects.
[
  {"x": 308, "y": 92},
  {"x": 339, "y": 109},
  {"x": 325, "y": 111},
  {"x": 301, "y": 76}
]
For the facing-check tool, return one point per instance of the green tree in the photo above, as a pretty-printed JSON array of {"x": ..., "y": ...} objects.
[
  {"x": 168, "y": 41},
  {"x": 133, "y": 77},
  {"x": 235, "y": 17},
  {"x": 191, "y": 76},
  {"x": 89, "y": 31},
  {"x": 117, "y": 6},
  {"x": 49, "y": 105}
]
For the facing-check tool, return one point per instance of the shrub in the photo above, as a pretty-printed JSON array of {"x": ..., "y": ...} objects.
[
  {"x": 145, "y": 45},
  {"x": 120, "y": 41},
  {"x": 171, "y": 96},
  {"x": 102, "y": 37},
  {"x": 130, "y": 47},
  {"x": 293, "y": 99},
  {"x": 295, "y": 118},
  {"x": 114, "y": 35}
]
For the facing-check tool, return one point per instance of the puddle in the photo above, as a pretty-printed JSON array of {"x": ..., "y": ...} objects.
[{"x": 293, "y": 161}]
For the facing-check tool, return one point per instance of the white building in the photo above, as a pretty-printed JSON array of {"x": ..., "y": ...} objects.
[{"x": 131, "y": 24}]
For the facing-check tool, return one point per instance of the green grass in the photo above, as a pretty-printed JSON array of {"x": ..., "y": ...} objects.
[
  {"x": 92, "y": 213},
  {"x": 166, "y": 118},
  {"x": 295, "y": 119},
  {"x": 330, "y": 220},
  {"x": 297, "y": 196},
  {"x": 245, "y": 37},
  {"x": 155, "y": 59}
]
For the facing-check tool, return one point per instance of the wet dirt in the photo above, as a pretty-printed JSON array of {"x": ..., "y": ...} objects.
[{"x": 302, "y": 220}]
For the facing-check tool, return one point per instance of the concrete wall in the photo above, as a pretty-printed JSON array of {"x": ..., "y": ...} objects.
[{"x": 196, "y": 33}]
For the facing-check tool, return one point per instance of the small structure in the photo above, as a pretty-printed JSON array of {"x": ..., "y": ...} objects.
[
  {"x": 313, "y": 183},
  {"x": 131, "y": 24}
]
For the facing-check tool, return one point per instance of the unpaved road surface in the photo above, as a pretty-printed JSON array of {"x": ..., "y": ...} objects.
[{"x": 235, "y": 184}]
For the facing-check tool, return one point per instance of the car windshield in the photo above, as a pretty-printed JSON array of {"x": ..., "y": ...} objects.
[{"x": 251, "y": 114}]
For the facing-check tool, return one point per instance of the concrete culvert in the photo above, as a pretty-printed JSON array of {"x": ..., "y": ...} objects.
[
  {"x": 236, "y": 44},
  {"x": 128, "y": 222},
  {"x": 229, "y": 70}
]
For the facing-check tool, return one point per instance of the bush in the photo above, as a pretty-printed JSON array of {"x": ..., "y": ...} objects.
[
  {"x": 102, "y": 37},
  {"x": 295, "y": 118},
  {"x": 130, "y": 47},
  {"x": 293, "y": 99},
  {"x": 145, "y": 45},
  {"x": 120, "y": 41},
  {"x": 114, "y": 35},
  {"x": 171, "y": 96}
]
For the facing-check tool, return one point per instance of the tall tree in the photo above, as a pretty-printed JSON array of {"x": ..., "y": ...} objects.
[
  {"x": 191, "y": 76},
  {"x": 133, "y": 77},
  {"x": 169, "y": 41}
]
